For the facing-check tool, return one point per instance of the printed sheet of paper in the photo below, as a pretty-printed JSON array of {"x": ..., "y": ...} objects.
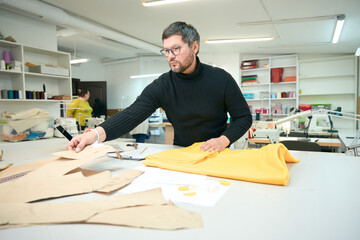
[
  {"x": 139, "y": 154},
  {"x": 180, "y": 187}
]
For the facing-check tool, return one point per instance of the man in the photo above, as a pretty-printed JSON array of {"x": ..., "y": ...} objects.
[{"x": 196, "y": 98}]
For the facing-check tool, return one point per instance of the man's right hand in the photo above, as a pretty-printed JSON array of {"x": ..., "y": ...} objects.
[{"x": 78, "y": 142}]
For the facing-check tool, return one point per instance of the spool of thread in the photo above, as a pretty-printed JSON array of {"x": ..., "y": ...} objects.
[
  {"x": 38, "y": 95},
  {"x": 7, "y": 56},
  {"x": 10, "y": 94},
  {"x": 20, "y": 94},
  {"x": 16, "y": 94},
  {"x": 4, "y": 94},
  {"x": 42, "y": 95},
  {"x": 34, "y": 95},
  {"x": 283, "y": 94},
  {"x": 31, "y": 95},
  {"x": 2, "y": 64},
  {"x": 290, "y": 95},
  {"x": 278, "y": 95}
]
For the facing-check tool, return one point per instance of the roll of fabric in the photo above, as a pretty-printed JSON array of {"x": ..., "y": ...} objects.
[
  {"x": 10, "y": 94},
  {"x": 4, "y": 94},
  {"x": 16, "y": 94}
]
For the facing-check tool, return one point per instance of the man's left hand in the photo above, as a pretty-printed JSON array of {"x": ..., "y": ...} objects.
[{"x": 215, "y": 144}]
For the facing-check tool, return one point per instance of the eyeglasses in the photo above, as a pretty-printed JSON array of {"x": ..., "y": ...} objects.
[{"x": 175, "y": 50}]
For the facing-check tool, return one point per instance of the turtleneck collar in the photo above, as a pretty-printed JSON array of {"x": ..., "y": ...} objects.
[{"x": 192, "y": 75}]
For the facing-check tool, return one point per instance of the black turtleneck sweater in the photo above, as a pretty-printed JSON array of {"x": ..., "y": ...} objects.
[{"x": 196, "y": 105}]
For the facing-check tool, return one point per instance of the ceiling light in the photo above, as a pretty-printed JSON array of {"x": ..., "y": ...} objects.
[
  {"x": 78, "y": 61},
  {"x": 160, "y": 2},
  {"x": 146, "y": 75},
  {"x": 357, "y": 52},
  {"x": 338, "y": 28},
  {"x": 240, "y": 40}
]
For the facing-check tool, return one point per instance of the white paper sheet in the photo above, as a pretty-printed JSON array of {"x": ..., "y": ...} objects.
[
  {"x": 179, "y": 187},
  {"x": 138, "y": 154}
]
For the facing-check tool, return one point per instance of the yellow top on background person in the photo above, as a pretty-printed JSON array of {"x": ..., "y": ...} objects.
[{"x": 80, "y": 108}]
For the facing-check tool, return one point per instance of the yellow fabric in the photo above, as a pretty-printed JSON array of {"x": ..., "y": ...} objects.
[
  {"x": 265, "y": 165},
  {"x": 78, "y": 108}
]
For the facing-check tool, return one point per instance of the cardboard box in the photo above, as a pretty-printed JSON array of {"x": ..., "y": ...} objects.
[{"x": 49, "y": 70}]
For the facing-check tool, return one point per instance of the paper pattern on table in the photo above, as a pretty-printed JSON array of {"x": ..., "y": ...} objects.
[{"x": 207, "y": 192}]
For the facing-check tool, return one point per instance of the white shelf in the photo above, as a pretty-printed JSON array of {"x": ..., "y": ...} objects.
[
  {"x": 282, "y": 99},
  {"x": 10, "y": 71},
  {"x": 32, "y": 100},
  {"x": 265, "y": 88},
  {"x": 254, "y": 85},
  {"x": 284, "y": 66},
  {"x": 28, "y": 81},
  {"x": 326, "y": 94},
  {"x": 284, "y": 83},
  {"x": 45, "y": 75},
  {"x": 255, "y": 69},
  {"x": 257, "y": 99},
  {"x": 327, "y": 76}
]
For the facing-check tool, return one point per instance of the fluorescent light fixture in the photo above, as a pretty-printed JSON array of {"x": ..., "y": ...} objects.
[
  {"x": 357, "y": 52},
  {"x": 77, "y": 61},
  {"x": 338, "y": 28},
  {"x": 160, "y": 2},
  {"x": 240, "y": 40},
  {"x": 146, "y": 75}
]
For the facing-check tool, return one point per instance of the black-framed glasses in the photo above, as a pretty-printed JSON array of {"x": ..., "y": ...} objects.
[{"x": 175, "y": 50}]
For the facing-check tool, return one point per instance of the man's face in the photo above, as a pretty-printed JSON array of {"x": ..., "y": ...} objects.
[{"x": 181, "y": 62}]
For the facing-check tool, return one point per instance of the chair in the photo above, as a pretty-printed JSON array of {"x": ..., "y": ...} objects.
[{"x": 302, "y": 146}]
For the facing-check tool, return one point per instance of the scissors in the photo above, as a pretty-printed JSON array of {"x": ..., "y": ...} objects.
[{"x": 135, "y": 145}]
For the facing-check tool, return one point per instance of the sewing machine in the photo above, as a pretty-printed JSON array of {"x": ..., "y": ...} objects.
[
  {"x": 319, "y": 123},
  {"x": 316, "y": 120}
]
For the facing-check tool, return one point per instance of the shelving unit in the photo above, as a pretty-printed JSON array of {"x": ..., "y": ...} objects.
[
  {"x": 332, "y": 81},
  {"x": 329, "y": 80},
  {"x": 266, "y": 93},
  {"x": 29, "y": 81}
]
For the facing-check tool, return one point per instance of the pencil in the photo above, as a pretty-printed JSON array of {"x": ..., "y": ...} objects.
[{"x": 143, "y": 150}]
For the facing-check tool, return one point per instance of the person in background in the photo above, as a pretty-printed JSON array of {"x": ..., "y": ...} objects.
[
  {"x": 195, "y": 96},
  {"x": 80, "y": 108},
  {"x": 98, "y": 108},
  {"x": 140, "y": 133}
]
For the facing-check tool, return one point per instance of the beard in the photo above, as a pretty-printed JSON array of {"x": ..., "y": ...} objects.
[{"x": 182, "y": 66}]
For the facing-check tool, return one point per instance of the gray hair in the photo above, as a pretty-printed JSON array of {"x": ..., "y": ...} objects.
[{"x": 187, "y": 31}]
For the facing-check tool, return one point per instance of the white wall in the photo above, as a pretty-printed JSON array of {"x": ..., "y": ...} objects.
[
  {"x": 121, "y": 90},
  {"x": 230, "y": 62},
  {"x": 89, "y": 71},
  {"x": 28, "y": 31}
]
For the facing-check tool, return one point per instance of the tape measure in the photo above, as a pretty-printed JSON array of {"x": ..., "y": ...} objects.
[{"x": 13, "y": 177}]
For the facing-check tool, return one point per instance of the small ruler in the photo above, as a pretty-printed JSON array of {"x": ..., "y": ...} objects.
[{"x": 13, "y": 177}]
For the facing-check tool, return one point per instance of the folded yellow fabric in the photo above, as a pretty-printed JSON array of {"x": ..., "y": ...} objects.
[{"x": 264, "y": 165}]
